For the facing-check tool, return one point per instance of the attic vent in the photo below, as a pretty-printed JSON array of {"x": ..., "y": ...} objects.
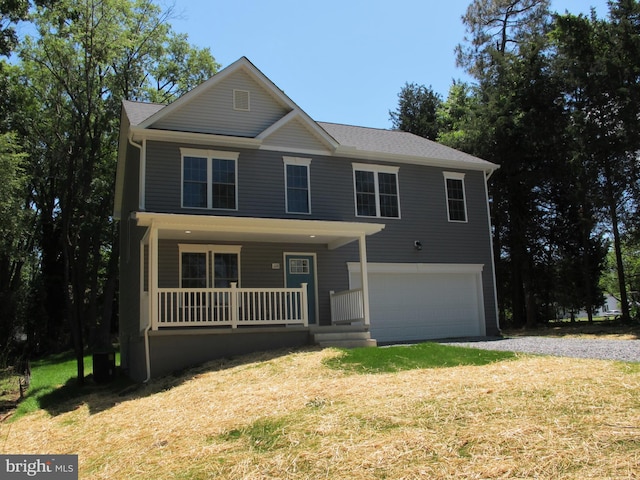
[{"x": 241, "y": 100}]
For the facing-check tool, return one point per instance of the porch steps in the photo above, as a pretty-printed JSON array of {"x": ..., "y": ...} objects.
[{"x": 342, "y": 336}]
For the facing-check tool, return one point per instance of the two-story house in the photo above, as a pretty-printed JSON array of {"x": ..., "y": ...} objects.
[{"x": 246, "y": 225}]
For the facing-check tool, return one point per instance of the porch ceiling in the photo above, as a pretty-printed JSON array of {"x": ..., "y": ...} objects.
[{"x": 250, "y": 229}]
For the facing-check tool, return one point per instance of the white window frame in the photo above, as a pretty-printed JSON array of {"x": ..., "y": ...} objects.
[
  {"x": 301, "y": 162},
  {"x": 376, "y": 169},
  {"x": 209, "y": 251},
  {"x": 455, "y": 176},
  {"x": 209, "y": 155}
]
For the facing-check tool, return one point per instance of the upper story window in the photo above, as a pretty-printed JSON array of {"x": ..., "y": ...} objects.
[
  {"x": 209, "y": 179},
  {"x": 376, "y": 191},
  {"x": 296, "y": 180},
  {"x": 456, "y": 202}
]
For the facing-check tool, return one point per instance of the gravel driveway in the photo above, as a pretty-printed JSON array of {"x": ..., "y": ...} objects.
[{"x": 623, "y": 350}]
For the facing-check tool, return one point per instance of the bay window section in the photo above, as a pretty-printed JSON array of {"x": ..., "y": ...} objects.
[{"x": 209, "y": 179}]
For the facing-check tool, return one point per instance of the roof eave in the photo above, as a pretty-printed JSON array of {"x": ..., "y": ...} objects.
[
  {"x": 352, "y": 152},
  {"x": 140, "y": 133}
]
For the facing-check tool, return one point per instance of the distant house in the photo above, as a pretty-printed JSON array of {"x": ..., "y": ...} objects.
[{"x": 246, "y": 225}]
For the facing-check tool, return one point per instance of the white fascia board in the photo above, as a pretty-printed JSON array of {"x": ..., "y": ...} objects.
[
  {"x": 418, "y": 268},
  {"x": 194, "y": 138}
]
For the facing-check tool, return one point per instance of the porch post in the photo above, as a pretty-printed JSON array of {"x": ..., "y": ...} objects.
[
  {"x": 153, "y": 275},
  {"x": 304, "y": 303},
  {"x": 364, "y": 280},
  {"x": 234, "y": 304}
]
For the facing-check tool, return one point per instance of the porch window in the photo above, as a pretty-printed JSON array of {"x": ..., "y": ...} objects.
[
  {"x": 456, "y": 203},
  {"x": 297, "y": 191},
  {"x": 209, "y": 179},
  {"x": 206, "y": 266},
  {"x": 376, "y": 191}
]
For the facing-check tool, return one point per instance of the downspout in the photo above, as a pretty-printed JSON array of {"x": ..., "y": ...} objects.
[
  {"x": 147, "y": 356},
  {"x": 487, "y": 176}
]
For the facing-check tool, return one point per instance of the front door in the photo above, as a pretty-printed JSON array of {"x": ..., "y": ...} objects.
[{"x": 301, "y": 268}]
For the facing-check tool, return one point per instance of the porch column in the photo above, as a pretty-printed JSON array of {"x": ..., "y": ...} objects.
[
  {"x": 153, "y": 275},
  {"x": 364, "y": 278}
]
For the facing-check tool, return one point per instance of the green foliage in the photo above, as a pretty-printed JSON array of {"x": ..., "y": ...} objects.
[
  {"x": 422, "y": 355},
  {"x": 66, "y": 93},
  {"x": 417, "y": 111}
]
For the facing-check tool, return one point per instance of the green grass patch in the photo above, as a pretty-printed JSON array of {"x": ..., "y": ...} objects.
[
  {"x": 54, "y": 382},
  {"x": 263, "y": 435},
  {"x": 410, "y": 357}
]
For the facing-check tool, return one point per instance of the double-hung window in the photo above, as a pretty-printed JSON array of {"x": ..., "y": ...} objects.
[
  {"x": 209, "y": 179},
  {"x": 376, "y": 191},
  {"x": 209, "y": 266},
  {"x": 297, "y": 187},
  {"x": 456, "y": 202}
]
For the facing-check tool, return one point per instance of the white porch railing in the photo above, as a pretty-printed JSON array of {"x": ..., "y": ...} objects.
[
  {"x": 181, "y": 307},
  {"x": 347, "y": 306}
]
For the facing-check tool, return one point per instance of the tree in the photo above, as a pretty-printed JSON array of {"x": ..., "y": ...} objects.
[
  {"x": 88, "y": 56},
  {"x": 14, "y": 221},
  {"x": 517, "y": 124},
  {"x": 417, "y": 111},
  {"x": 598, "y": 60}
]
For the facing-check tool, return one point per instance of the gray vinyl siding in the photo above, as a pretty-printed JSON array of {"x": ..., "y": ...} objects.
[
  {"x": 212, "y": 112},
  {"x": 423, "y": 207},
  {"x": 296, "y": 136}
]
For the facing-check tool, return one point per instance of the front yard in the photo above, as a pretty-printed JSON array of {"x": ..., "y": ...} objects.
[{"x": 299, "y": 415}]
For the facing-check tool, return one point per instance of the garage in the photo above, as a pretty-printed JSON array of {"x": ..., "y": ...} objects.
[{"x": 418, "y": 301}]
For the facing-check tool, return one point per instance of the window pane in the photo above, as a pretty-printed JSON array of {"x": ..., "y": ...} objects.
[
  {"x": 454, "y": 189},
  {"x": 194, "y": 188},
  {"x": 297, "y": 189},
  {"x": 224, "y": 184},
  {"x": 298, "y": 266},
  {"x": 389, "y": 206},
  {"x": 194, "y": 270},
  {"x": 365, "y": 182},
  {"x": 455, "y": 199},
  {"x": 297, "y": 176},
  {"x": 366, "y": 193},
  {"x": 456, "y": 211},
  {"x": 225, "y": 267},
  {"x": 388, "y": 188}
]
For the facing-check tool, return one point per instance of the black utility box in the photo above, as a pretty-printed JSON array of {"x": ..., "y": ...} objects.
[{"x": 104, "y": 366}]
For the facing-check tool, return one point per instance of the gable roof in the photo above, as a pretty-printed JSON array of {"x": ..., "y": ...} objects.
[{"x": 332, "y": 138}]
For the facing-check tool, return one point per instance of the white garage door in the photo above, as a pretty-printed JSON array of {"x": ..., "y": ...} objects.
[{"x": 410, "y": 302}]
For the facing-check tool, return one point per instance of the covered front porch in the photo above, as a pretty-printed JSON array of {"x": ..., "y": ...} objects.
[{"x": 209, "y": 243}]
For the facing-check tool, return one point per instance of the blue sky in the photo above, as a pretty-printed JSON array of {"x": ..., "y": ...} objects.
[{"x": 341, "y": 61}]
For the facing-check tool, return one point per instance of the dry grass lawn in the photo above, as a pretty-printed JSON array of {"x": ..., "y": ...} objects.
[{"x": 287, "y": 415}]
